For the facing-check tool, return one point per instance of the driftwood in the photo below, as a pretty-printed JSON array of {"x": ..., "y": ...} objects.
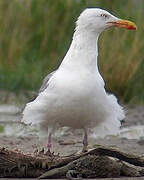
[{"x": 98, "y": 162}]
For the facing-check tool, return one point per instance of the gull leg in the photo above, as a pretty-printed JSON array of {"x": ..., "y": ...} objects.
[
  {"x": 85, "y": 141},
  {"x": 49, "y": 145}
]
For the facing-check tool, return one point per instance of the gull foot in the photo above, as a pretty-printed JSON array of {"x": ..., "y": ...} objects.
[
  {"x": 84, "y": 150},
  {"x": 51, "y": 154},
  {"x": 42, "y": 152},
  {"x": 37, "y": 152}
]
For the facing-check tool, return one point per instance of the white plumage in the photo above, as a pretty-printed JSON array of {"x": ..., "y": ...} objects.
[{"x": 74, "y": 95}]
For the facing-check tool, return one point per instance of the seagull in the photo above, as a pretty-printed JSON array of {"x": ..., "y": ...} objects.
[{"x": 74, "y": 95}]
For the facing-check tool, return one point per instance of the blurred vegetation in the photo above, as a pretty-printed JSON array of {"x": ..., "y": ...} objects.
[
  {"x": 2, "y": 129},
  {"x": 35, "y": 35}
]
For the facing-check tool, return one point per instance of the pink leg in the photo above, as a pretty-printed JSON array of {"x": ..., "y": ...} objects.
[
  {"x": 85, "y": 141},
  {"x": 49, "y": 145}
]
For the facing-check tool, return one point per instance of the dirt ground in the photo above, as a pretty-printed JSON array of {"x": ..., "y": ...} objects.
[{"x": 71, "y": 142}]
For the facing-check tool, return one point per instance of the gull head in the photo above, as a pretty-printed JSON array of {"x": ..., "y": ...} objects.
[{"x": 97, "y": 20}]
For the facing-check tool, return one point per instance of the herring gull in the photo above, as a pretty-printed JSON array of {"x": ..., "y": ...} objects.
[{"x": 74, "y": 95}]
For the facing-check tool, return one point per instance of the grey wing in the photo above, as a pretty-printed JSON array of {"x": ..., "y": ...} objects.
[{"x": 45, "y": 82}]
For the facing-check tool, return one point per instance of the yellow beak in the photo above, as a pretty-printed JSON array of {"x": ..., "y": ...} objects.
[{"x": 124, "y": 24}]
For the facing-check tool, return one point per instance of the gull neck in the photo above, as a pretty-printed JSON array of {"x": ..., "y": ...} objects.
[{"x": 83, "y": 51}]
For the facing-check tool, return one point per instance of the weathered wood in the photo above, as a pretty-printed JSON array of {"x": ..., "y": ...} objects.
[
  {"x": 17, "y": 164},
  {"x": 116, "y": 153},
  {"x": 121, "y": 178}
]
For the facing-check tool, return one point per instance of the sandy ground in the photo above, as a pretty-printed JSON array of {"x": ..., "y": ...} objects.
[{"x": 71, "y": 142}]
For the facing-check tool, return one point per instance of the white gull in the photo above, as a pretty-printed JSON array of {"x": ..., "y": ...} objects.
[{"x": 74, "y": 95}]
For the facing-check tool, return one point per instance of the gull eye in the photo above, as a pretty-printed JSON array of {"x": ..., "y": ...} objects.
[{"x": 104, "y": 15}]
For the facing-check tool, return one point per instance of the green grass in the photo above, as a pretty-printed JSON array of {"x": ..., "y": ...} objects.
[
  {"x": 35, "y": 35},
  {"x": 2, "y": 129}
]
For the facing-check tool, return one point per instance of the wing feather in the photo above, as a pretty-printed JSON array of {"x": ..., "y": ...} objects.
[{"x": 45, "y": 82}]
